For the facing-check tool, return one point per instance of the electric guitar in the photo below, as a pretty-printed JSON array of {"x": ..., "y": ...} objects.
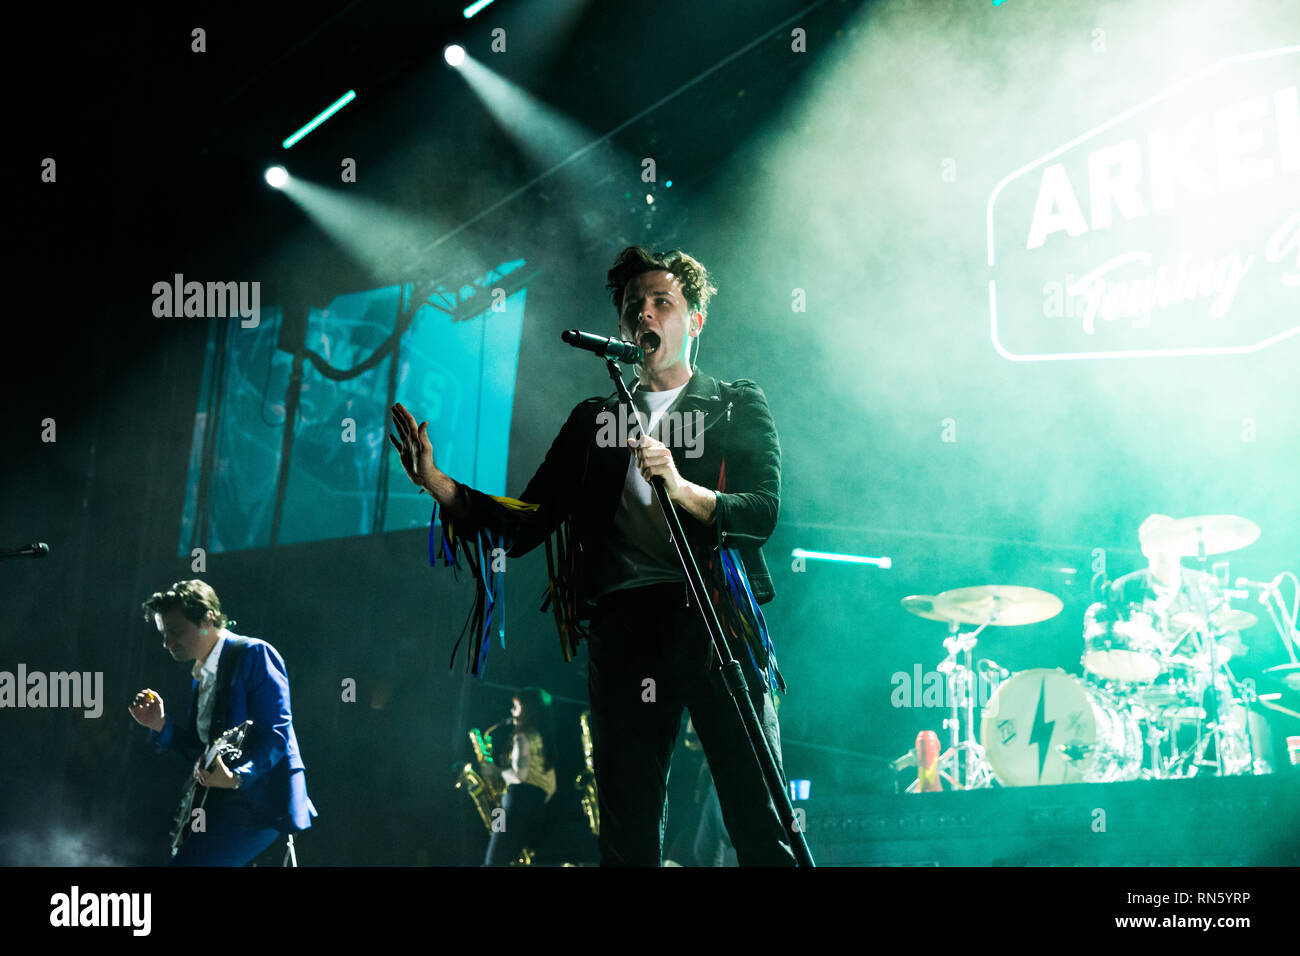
[{"x": 230, "y": 744}]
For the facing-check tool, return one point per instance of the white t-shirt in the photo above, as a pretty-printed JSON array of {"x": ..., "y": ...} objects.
[
  {"x": 639, "y": 551},
  {"x": 206, "y": 674}
]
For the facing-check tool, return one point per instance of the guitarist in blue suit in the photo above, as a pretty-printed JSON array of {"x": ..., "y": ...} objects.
[{"x": 235, "y": 679}]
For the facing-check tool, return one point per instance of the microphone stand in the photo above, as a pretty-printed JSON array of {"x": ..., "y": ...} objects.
[
  {"x": 1201, "y": 592},
  {"x": 732, "y": 675}
]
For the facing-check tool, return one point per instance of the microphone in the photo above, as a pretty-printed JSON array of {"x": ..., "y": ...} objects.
[
  {"x": 1247, "y": 583},
  {"x": 616, "y": 349},
  {"x": 37, "y": 550},
  {"x": 1266, "y": 588}
]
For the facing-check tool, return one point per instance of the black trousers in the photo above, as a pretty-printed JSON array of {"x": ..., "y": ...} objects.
[
  {"x": 525, "y": 820},
  {"x": 650, "y": 657}
]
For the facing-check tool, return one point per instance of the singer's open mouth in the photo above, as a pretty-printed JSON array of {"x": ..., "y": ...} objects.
[{"x": 648, "y": 341}]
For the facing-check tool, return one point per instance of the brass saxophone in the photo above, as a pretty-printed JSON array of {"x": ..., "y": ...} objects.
[
  {"x": 482, "y": 785},
  {"x": 485, "y": 787},
  {"x": 586, "y": 782}
]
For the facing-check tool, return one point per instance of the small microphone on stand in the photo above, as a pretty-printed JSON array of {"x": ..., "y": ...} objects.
[
  {"x": 37, "y": 550},
  {"x": 1265, "y": 588},
  {"x": 1263, "y": 585}
]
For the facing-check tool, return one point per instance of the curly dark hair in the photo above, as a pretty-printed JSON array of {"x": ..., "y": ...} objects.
[
  {"x": 193, "y": 598},
  {"x": 686, "y": 269}
]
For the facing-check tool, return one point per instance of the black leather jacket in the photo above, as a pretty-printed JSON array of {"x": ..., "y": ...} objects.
[{"x": 582, "y": 482}]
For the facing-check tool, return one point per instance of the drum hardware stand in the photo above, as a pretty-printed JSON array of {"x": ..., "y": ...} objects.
[
  {"x": 1188, "y": 761},
  {"x": 1216, "y": 728},
  {"x": 1220, "y": 731},
  {"x": 1073, "y": 753},
  {"x": 967, "y": 767},
  {"x": 1249, "y": 698},
  {"x": 1173, "y": 649},
  {"x": 1244, "y": 694},
  {"x": 1283, "y": 621},
  {"x": 1155, "y": 741}
]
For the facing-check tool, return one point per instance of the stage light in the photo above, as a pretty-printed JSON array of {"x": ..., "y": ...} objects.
[
  {"x": 883, "y": 563},
  {"x": 454, "y": 55},
  {"x": 474, "y": 8},
  {"x": 800, "y": 789},
  {"x": 649, "y": 199},
  {"x": 277, "y": 176},
  {"x": 325, "y": 114}
]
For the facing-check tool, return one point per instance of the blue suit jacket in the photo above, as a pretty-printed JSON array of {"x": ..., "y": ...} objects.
[{"x": 251, "y": 684}]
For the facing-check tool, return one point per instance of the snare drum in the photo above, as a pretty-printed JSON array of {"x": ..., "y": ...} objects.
[
  {"x": 1045, "y": 726},
  {"x": 1121, "y": 645}
]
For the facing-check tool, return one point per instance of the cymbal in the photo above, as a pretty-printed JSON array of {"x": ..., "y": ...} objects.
[
  {"x": 1232, "y": 619},
  {"x": 1008, "y": 605},
  {"x": 1288, "y": 674},
  {"x": 1230, "y": 646},
  {"x": 922, "y": 605},
  {"x": 1279, "y": 708},
  {"x": 1223, "y": 619},
  {"x": 1219, "y": 533}
]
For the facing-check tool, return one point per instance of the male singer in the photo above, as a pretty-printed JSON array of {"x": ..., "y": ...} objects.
[{"x": 650, "y": 656}]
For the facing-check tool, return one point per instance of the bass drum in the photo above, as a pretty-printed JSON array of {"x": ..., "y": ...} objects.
[{"x": 1044, "y": 727}]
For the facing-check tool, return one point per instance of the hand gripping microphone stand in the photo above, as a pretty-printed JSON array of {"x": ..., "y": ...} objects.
[{"x": 732, "y": 675}]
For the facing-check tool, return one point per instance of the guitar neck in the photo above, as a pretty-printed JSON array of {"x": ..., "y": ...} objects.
[{"x": 210, "y": 755}]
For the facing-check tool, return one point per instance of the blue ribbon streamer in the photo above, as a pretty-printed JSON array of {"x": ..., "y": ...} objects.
[{"x": 742, "y": 594}]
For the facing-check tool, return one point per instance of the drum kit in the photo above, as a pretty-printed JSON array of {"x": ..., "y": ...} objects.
[{"x": 1157, "y": 698}]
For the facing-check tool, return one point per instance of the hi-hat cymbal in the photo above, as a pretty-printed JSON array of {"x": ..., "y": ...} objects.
[
  {"x": 1223, "y": 619},
  {"x": 998, "y": 604},
  {"x": 1218, "y": 533},
  {"x": 922, "y": 605}
]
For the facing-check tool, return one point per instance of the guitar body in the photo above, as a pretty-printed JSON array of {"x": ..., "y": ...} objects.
[{"x": 229, "y": 744}]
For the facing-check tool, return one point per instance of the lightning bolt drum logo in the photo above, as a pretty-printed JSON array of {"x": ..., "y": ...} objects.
[{"x": 1041, "y": 735}]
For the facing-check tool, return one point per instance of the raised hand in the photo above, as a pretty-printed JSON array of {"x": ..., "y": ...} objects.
[
  {"x": 147, "y": 709},
  {"x": 413, "y": 447}
]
